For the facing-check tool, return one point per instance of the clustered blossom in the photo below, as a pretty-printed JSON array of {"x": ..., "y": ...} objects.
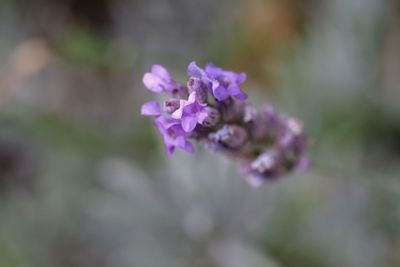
[{"x": 212, "y": 108}]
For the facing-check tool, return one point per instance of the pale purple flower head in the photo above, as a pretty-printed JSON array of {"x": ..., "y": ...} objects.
[{"x": 265, "y": 144}]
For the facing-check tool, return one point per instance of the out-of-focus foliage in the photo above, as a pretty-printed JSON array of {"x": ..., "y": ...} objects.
[{"x": 84, "y": 181}]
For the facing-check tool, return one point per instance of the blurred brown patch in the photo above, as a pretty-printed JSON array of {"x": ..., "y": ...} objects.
[
  {"x": 270, "y": 29},
  {"x": 28, "y": 59}
]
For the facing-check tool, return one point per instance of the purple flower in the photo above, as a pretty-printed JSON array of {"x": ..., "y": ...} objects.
[
  {"x": 191, "y": 112},
  {"x": 173, "y": 134},
  {"x": 200, "y": 75},
  {"x": 229, "y": 83},
  {"x": 221, "y": 83},
  {"x": 159, "y": 80}
]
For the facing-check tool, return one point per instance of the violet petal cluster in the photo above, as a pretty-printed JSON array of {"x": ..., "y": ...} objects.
[{"x": 212, "y": 108}]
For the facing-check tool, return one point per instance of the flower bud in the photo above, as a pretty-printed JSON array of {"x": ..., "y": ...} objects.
[
  {"x": 232, "y": 110},
  {"x": 267, "y": 164},
  {"x": 213, "y": 117},
  {"x": 250, "y": 114},
  {"x": 255, "y": 123},
  {"x": 199, "y": 87},
  {"x": 171, "y": 105},
  {"x": 230, "y": 136},
  {"x": 292, "y": 137},
  {"x": 271, "y": 120},
  {"x": 179, "y": 91}
]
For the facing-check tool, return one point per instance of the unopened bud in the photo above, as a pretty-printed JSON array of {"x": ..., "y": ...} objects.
[
  {"x": 199, "y": 87},
  {"x": 180, "y": 91},
  {"x": 255, "y": 122},
  {"x": 295, "y": 126},
  {"x": 213, "y": 117},
  {"x": 292, "y": 137},
  {"x": 232, "y": 110},
  {"x": 230, "y": 136},
  {"x": 171, "y": 105},
  {"x": 267, "y": 164},
  {"x": 250, "y": 114}
]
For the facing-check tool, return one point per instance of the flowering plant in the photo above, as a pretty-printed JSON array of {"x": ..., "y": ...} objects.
[{"x": 212, "y": 108}]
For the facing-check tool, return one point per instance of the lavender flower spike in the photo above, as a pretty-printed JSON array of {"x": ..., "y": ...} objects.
[{"x": 212, "y": 109}]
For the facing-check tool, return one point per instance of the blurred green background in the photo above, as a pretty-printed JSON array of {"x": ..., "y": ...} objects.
[{"x": 84, "y": 180}]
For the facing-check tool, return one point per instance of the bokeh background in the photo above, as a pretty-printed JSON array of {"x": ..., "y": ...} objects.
[{"x": 84, "y": 181}]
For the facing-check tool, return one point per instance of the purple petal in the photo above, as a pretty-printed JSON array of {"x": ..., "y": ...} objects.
[
  {"x": 151, "y": 108},
  {"x": 179, "y": 141},
  {"x": 177, "y": 129},
  {"x": 233, "y": 89},
  {"x": 161, "y": 72},
  {"x": 194, "y": 70},
  {"x": 163, "y": 122},
  {"x": 171, "y": 142},
  {"x": 152, "y": 82},
  {"x": 210, "y": 66},
  {"x": 241, "y": 78},
  {"x": 192, "y": 97},
  {"x": 170, "y": 149},
  {"x": 213, "y": 84},
  {"x": 213, "y": 70},
  {"x": 201, "y": 116},
  {"x": 220, "y": 93},
  {"x": 188, "y": 147},
  {"x": 241, "y": 96},
  {"x": 189, "y": 109},
  {"x": 189, "y": 123}
]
